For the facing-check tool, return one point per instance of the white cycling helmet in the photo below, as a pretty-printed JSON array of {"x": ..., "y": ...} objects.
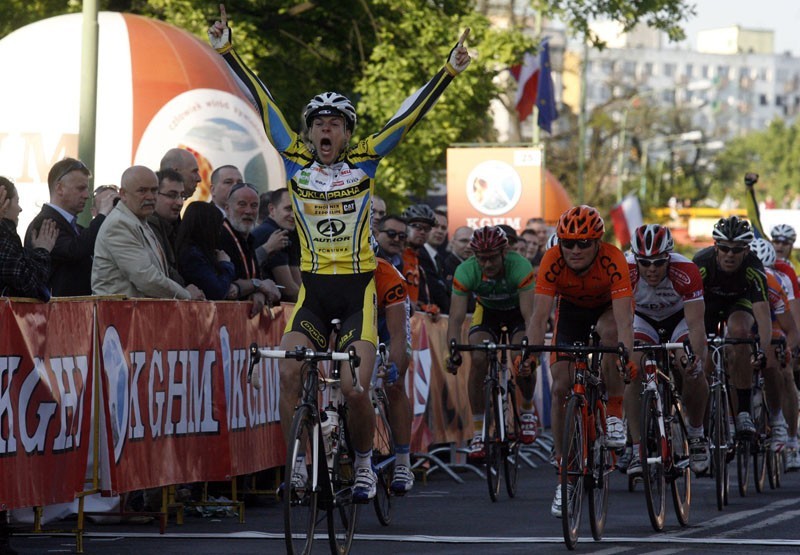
[
  {"x": 331, "y": 104},
  {"x": 652, "y": 240},
  {"x": 765, "y": 252},
  {"x": 783, "y": 232},
  {"x": 552, "y": 241}
]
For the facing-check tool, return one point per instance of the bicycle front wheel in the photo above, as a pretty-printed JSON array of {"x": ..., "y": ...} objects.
[
  {"x": 300, "y": 500},
  {"x": 383, "y": 458},
  {"x": 511, "y": 459},
  {"x": 680, "y": 475},
  {"x": 599, "y": 469},
  {"x": 343, "y": 512},
  {"x": 743, "y": 448},
  {"x": 773, "y": 467},
  {"x": 719, "y": 444},
  {"x": 651, "y": 452},
  {"x": 573, "y": 466},
  {"x": 492, "y": 442},
  {"x": 760, "y": 446}
]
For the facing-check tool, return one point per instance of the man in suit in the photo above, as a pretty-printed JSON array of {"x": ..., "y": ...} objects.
[
  {"x": 183, "y": 162},
  {"x": 432, "y": 263},
  {"x": 128, "y": 259},
  {"x": 165, "y": 219},
  {"x": 71, "y": 258}
]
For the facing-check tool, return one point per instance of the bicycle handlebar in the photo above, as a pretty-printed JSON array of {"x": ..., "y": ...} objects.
[
  {"x": 488, "y": 346},
  {"x": 308, "y": 355}
]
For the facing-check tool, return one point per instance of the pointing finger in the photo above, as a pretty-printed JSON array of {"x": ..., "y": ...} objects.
[
  {"x": 222, "y": 15},
  {"x": 464, "y": 36}
]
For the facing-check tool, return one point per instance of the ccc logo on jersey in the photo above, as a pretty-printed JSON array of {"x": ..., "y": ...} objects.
[
  {"x": 396, "y": 293},
  {"x": 331, "y": 228}
]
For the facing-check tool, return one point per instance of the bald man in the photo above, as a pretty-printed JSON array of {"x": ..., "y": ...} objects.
[
  {"x": 183, "y": 162},
  {"x": 128, "y": 259}
]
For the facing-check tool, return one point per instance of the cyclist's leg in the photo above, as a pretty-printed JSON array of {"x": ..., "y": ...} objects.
[
  {"x": 740, "y": 324},
  {"x": 773, "y": 383},
  {"x": 479, "y": 365},
  {"x": 400, "y": 416},
  {"x": 615, "y": 385},
  {"x": 527, "y": 385}
]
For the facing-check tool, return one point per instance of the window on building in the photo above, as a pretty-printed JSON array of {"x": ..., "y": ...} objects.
[
  {"x": 629, "y": 67},
  {"x": 779, "y": 100},
  {"x": 781, "y": 76},
  {"x": 762, "y": 100},
  {"x": 689, "y": 71},
  {"x": 669, "y": 70},
  {"x": 704, "y": 72},
  {"x": 607, "y": 66},
  {"x": 647, "y": 71},
  {"x": 723, "y": 72}
]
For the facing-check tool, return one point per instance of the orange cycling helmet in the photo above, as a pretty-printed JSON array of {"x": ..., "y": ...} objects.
[{"x": 580, "y": 222}]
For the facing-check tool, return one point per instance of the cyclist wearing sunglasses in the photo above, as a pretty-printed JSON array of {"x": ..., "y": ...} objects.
[
  {"x": 590, "y": 279},
  {"x": 668, "y": 295},
  {"x": 502, "y": 282},
  {"x": 735, "y": 290}
]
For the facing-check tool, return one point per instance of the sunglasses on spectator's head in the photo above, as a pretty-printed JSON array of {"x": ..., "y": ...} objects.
[
  {"x": 104, "y": 188},
  {"x": 582, "y": 244},
  {"x": 647, "y": 262},
  {"x": 735, "y": 250},
  {"x": 402, "y": 235},
  {"x": 76, "y": 165}
]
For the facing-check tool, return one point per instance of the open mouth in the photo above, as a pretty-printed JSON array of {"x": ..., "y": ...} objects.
[{"x": 325, "y": 146}]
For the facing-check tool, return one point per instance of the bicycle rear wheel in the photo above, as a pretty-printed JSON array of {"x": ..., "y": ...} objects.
[
  {"x": 599, "y": 469},
  {"x": 719, "y": 444},
  {"x": 491, "y": 437},
  {"x": 680, "y": 475},
  {"x": 651, "y": 451},
  {"x": 572, "y": 472},
  {"x": 383, "y": 458},
  {"x": 511, "y": 459},
  {"x": 773, "y": 467},
  {"x": 760, "y": 446},
  {"x": 300, "y": 503},
  {"x": 342, "y": 512}
]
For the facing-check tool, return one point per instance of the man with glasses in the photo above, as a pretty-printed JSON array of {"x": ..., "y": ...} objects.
[
  {"x": 502, "y": 281},
  {"x": 71, "y": 257},
  {"x": 165, "y": 219},
  {"x": 735, "y": 290},
  {"x": 590, "y": 280},
  {"x": 236, "y": 239},
  {"x": 391, "y": 238},
  {"x": 668, "y": 295}
]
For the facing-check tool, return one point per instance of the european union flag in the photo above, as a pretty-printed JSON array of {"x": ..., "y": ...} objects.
[{"x": 545, "y": 97}]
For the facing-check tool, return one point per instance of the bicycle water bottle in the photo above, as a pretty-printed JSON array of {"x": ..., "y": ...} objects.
[{"x": 332, "y": 440}]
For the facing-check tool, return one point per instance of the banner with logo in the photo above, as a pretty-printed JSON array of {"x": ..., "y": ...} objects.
[
  {"x": 45, "y": 401},
  {"x": 164, "y": 393},
  {"x": 252, "y": 416}
]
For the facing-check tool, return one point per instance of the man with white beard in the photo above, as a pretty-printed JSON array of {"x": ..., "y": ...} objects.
[{"x": 236, "y": 239}]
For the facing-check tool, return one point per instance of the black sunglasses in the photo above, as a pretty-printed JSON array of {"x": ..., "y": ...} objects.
[
  {"x": 76, "y": 165},
  {"x": 658, "y": 262},
  {"x": 402, "y": 235},
  {"x": 735, "y": 250},
  {"x": 570, "y": 244}
]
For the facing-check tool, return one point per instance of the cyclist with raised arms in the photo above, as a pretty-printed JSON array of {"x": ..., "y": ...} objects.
[
  {"x": 735, "y": 290},
  {"x": 668, "y": 295},
  {"x": 778, "y": 379},
  {"x": 331, "y": 185},
  {"x": 502, "y": 282},
  {"x": 590, "y": 280}
]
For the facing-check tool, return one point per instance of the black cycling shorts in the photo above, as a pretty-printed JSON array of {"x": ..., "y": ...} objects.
[
  {"x": 492, "y": 321},
  {"x": 350, "y": 297},
  {"x": 574, "y": 323}
]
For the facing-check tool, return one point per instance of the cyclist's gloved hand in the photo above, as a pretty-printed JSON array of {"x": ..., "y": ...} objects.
[
  {"x": 759, "y": 360},
  {"x": 453, "y": 362},
  {"x": 525, "y": 367},
  {"x": 219, "y": 34},
  {"x": 630, "y": 371},
  {"x": 750, "y": 179},
  {"x": 459, "y": 57},
  {"x": 390, "y": 373}
]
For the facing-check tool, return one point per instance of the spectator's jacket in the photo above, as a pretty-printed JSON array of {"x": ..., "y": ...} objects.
[
  {"x": 23, "y": 272},
  {"x": 128, "y": 260}
]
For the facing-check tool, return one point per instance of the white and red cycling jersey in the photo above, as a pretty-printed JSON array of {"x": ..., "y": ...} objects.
[
  {"x": 788, "y": 279},
  {"x": 682, "y": 284}
]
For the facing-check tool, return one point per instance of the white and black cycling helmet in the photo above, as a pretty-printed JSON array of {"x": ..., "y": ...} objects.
[
  {"x": 552, "y": 241},
  {"x": 733, "y": 229},
  {"x": 652, "y": 240},
  {"x": 419, "y": 213},
  {"x": 764, "y": 251},
  {"x": 784, "y": 233},
  {"x": 331, "y": 104}
]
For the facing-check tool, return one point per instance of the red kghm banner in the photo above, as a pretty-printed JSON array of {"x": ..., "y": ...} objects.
[
  {"x": 164, "y": 393},
  {"x": 45, "y": 401},
  {"x": 253, "y": 419}
]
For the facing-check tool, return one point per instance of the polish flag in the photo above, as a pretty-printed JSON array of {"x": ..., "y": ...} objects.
[
  {"x": 527, "y": 76},
  {"x": 626, "y": 217}
]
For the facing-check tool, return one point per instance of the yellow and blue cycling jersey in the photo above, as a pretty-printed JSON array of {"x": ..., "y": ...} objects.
[{"x": 332, "y": 204}]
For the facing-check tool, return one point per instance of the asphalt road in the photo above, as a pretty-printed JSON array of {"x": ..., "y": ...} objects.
[{"x": 444, "y": 517}]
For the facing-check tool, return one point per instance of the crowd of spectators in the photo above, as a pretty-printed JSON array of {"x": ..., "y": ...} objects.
[{"x": 242, "y": 245}]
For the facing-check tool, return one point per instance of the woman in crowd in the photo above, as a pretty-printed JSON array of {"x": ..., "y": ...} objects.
[
  {"x": 200, "y": 261},
  {"x": 23, "y": 272}
]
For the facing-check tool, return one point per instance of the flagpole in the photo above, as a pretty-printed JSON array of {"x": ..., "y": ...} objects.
[
  {"x": 535, "y": 136},
  {"x": 582, "y": 122}
]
